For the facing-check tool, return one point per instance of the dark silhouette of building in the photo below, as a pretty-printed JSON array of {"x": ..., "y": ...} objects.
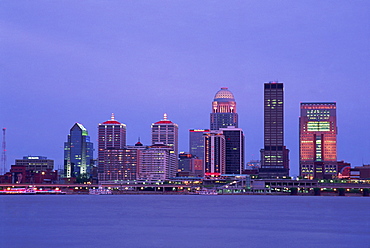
[
  {"x": 274, "y": 155},
  {"x": 190, "y": 165},
  {"x": 234, "y": 150}
]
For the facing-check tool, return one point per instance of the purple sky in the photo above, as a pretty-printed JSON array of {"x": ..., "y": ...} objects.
[{"x": 78, "y": 61}]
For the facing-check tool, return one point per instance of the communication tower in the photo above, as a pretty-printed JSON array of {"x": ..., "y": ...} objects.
[{"x": 3, "y": 154}]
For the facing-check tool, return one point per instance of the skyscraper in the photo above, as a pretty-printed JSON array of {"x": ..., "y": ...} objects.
[
  {"x": 223, "y": 110},
  {"x": 214, "y": 153},
  {"x": 318, "y": 140},
  {"x": 234, "y": 150},
  {"x": 78, "y": 152},
  {"x": 274, "y": 155},
  {"x": 196, "y": 142},
  {"x": 111, "y": 139},
  {"x": 166, "y": 132}
]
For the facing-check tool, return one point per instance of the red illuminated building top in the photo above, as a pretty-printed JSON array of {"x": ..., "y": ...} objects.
[
  {"x": 164, "y": 121},
  {"x": 112, "y": 121}
]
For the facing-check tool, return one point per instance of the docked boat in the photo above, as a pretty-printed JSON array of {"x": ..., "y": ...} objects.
[
  {"x": 30, "y": 191},
  {"x": 207, "y": 192},
  {"x": 100, "y": 191}
]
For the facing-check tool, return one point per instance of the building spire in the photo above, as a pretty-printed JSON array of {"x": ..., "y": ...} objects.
[
  {"x": 165, "y": 117},
  {"x": 112, "y": 117}
]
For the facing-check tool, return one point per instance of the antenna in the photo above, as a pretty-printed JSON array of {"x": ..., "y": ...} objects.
[{"x": 3, "y": 154}]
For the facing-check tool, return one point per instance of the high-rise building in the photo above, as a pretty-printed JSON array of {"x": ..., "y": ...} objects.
[
  {"x": 223, "y": 110},
  {"x": 318, "y": 140},
  {"x": 120, "y": 164},
  {"x": 156, "y": 163},
  {"x": 234, "y": 150},
  {"x": 214, "y": 154},
  {"x": 196, "y": 142},
  {"x": 78, "y": 153},
  {"x": 111, "y": 141},
  {"x": 274, "y": 155},
  {"x": 166, "y": 131}
]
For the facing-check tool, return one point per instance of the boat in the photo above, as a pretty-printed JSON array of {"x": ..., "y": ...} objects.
[
  {"x": 207, "y": 192},
  {"x": 100, "y": 191},
  {"x": 30, "y": 191}
]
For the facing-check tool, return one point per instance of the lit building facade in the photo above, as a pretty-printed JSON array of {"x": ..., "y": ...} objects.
[
  {"x": 234, "y": 150},
  {"x": 111, "y": 142},
  {"x": 156, "y": 163},
  {"x": 167, "y": 132},
  {"x": 214, "y": 154},
  {"x": 196, "y": 142},
  {"x": 318, "y": 140},
  {"x": 274, "y": 155},
  {"x": 121, "y": 164},
  {"x": 223, "y": 110},
  {"x": 35, "y": 163},
  {"x": 78, "y": 152}
]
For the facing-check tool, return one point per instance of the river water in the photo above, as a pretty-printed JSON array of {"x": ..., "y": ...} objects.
[{"x": 184, "y": 221}]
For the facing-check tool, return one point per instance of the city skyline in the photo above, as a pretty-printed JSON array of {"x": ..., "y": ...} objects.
[{"x": 142, "y": 60}]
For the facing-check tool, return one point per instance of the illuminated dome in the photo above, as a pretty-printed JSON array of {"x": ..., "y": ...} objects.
[{"x": 224, "y": 95}]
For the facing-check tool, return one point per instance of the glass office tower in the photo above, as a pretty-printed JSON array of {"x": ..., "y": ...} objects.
[{"x": 78, "y": 153}]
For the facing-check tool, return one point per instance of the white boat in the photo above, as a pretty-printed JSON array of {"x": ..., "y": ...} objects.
[
  {"x": 207, "y": 192},
  {"x": 100, "y": 191}
]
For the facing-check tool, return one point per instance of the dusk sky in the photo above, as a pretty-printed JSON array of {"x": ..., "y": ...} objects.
[{"x": 79, "y": 61}]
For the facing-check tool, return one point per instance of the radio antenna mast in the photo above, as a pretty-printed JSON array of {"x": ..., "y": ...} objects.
[{"x": 3, "y": 154}]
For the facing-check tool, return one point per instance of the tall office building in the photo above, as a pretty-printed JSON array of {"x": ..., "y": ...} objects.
[
  {"x": 78, "y": 152},
  {"x": 196, "y": 142},
  {"x": 274, "y": 155},
  {"x": 214, "y": 154},
  {"x": 223, "y": 110},
  {"x": 318, "y": 140},
  {"x": 234, "y": 150},
  {"x": 166, "y": 132},
  {"x": 111, "y": 139}
]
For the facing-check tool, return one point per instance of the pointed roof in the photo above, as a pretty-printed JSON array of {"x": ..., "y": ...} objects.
[
  {"x": 81, "y": 127},
  {"x": 112, "y": 121},
  {"x": 164, "y": 120}
]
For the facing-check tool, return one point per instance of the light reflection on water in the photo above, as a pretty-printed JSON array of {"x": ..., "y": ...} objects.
[{"x": 184, "y": 221}]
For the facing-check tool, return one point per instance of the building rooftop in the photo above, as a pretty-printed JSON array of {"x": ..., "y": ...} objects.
[
  {"x": 164, "y": 120},
  {"x": 224, "y": 94},
  {"x": 112, "y": 121}
]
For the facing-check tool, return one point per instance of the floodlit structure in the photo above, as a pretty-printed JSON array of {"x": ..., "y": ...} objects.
[
  {"x": 78, "y": 152},
  {"x": 318, "y": 140},
  {"x": 223, "y": 110}
]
